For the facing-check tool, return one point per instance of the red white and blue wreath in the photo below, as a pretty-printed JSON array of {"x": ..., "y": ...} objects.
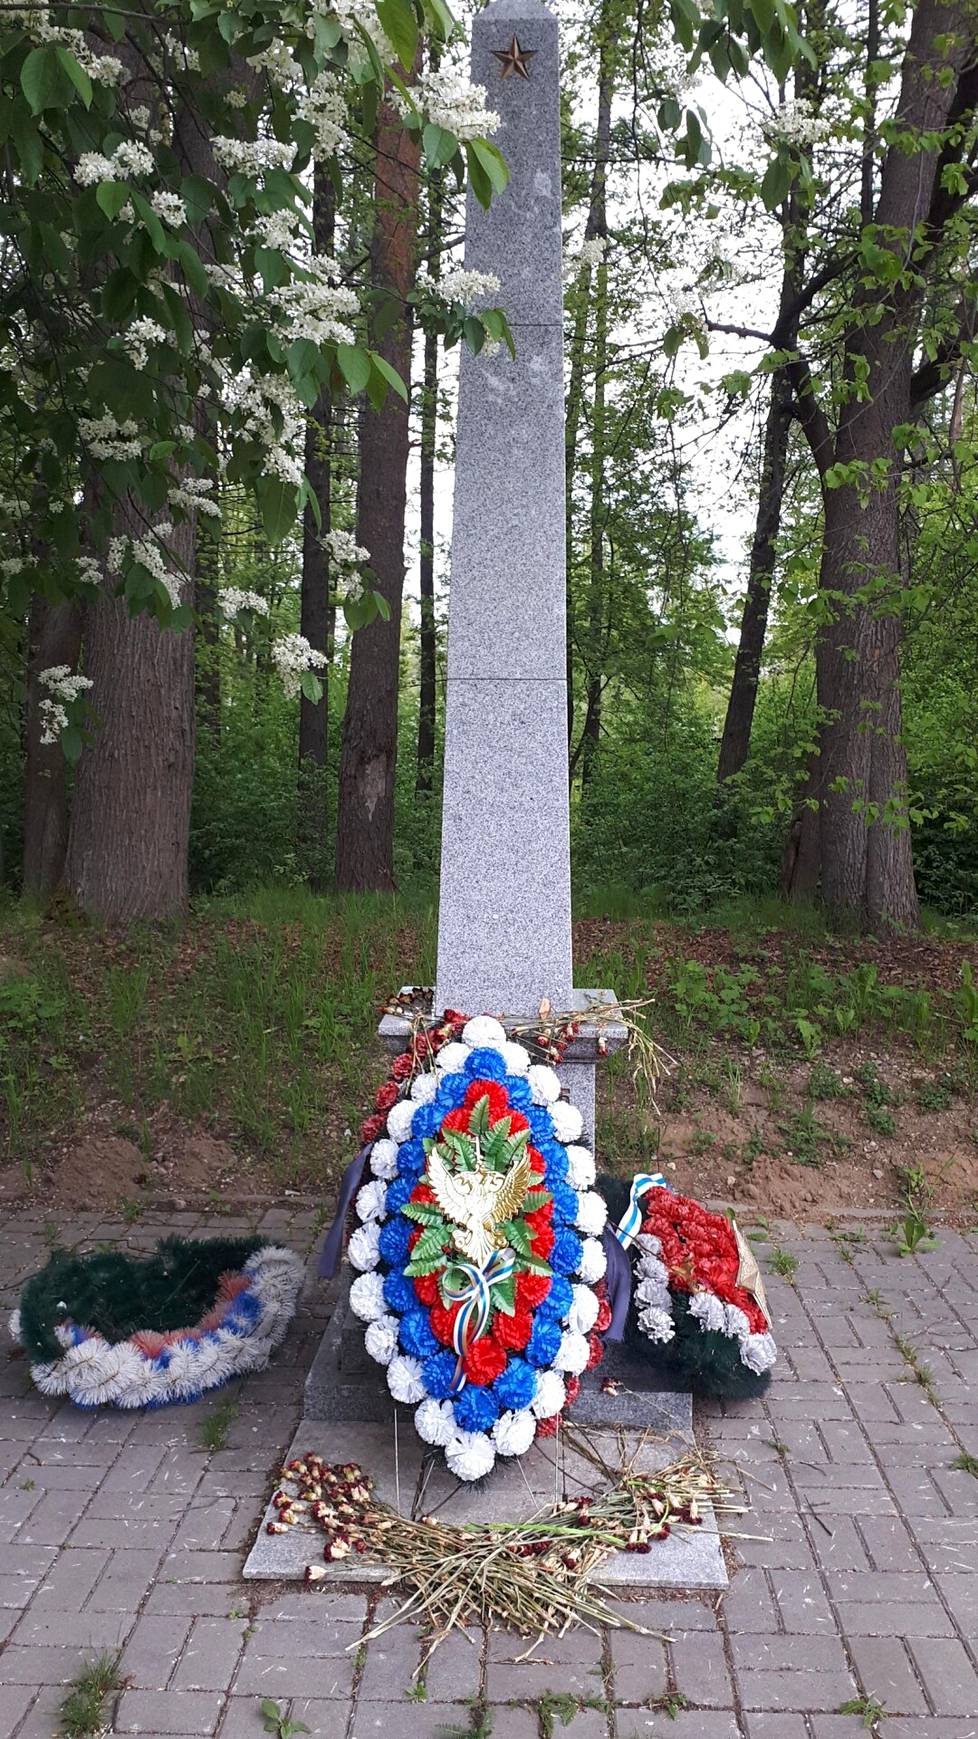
[{"x": 479, "y": 1254}]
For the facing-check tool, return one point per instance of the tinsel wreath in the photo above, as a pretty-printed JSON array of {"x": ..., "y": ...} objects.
[
  {"x": 702, "y": 1359},
  {"x": 117, "y": 1295}
]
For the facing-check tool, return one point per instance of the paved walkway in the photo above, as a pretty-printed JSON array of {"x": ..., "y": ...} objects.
[{"x": 124, "y": 1533}]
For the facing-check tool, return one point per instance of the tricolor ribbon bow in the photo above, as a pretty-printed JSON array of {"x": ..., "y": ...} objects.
[
  {"x": 630, "y": 1224},
  {"x": 473, "y": 1291}
]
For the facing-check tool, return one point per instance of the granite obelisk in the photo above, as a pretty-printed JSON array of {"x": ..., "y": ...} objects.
[{"x": 504, "y": 925}]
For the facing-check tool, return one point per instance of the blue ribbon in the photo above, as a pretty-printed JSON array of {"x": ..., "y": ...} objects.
[
  {"x": 332, "y": 1250},
  {"x": 630, "y": 1223}
]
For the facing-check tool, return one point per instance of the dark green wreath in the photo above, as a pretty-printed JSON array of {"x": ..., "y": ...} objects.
[
  {"x": 702, "y": 1360},
  {"x": 118, "y": 1294}
]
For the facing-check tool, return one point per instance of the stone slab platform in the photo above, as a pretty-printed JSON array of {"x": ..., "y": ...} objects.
[{"x": 416, "y": 1482}]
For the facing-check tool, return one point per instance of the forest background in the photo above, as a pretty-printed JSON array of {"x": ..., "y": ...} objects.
[{"x": 771, "y": 533}]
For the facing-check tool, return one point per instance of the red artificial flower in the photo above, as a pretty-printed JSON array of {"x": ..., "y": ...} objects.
[
  {"x": 443, "y": 1322},
  {"x": 426, "y": 1288},
  {"x": 531, "y": 1290},
  {"x": 402, "y": 1066},
  {"x": 602, "y": 1321},
  {"x": 700, "y": 1251},
  {"x": 548, "y": 1427},
  {"x": 572, "y": 1387},
  {"x": 457, "y": 1120},
  {"x": 543, "y": 1242},
  {"x": 423, "y": 1192},
  {"x": 540, "y": 1218},
  {"x": 537, "y": 1162},
  {"x": 496, "y": 1094},
  {"x": 518, "y": 1123},
  {"x": 485, "y": 1361},
  {"x": 513, "y": 1331},
  {"x": 387, "y": 1095},
  {"x": 597, "y": 1350},
  {"x": 372, "y": 1127}
]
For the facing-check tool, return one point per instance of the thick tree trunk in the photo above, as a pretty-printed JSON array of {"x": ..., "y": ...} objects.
[
  {"x": 207, "y": 682},
  {"x": 735, "y": 742},
  {"x": 365, "y": 816},
  {"x": 54, "y": 638},
  {"x": 317, "y": 610},
  {"x": 428, "y": 643},
  {"x": 130, "y": 817}
]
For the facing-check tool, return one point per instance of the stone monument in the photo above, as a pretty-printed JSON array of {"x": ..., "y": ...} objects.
[{"x": 504, "y": 931}]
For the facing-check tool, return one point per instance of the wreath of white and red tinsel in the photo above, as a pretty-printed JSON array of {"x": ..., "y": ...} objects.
[
  {"x": 698, "y": 1301},
  {"x": 489, "y": 1351}
]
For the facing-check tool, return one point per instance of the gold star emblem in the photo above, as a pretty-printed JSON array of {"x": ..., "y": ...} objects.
[{"x": 515, "y": 59}]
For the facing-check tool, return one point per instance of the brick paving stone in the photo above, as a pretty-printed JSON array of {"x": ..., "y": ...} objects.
[
  {"x": 571, "y": 1663},
  {"x": 152, "y": 1650},
  {"x": 411, "y": 1720},
  {"x": 42, "y": 1720},
  {"x": 687, "y": 1724},
  {"x": 639, "y": 1666},
  {"x": 210, "y": 1655},
  {"x": 70, "y": 1579},
  {"x": 391, "y": 1665},
  {"x": 194, "y": 1713},
  {"x": 889, "y": 1543},
  {"x": 80, "y": 1630},
  {"x": 310, "y": 1624},
  {"x": 933, "y": 1727},
  {"x": 510, "y": 1722},
  {"x": 674, "y": 1617},
  {"x": 802, "y": 1603},
  {"x": 700, "y": 1671},
  {"x": 947, "y": 1671},
  {"x": 775, "y": 1673},
  {"x": 35, "y": 1666},
  {"x": 213, "y": 1599},
  {"x": 15, "y": 1700},
  {"x": 777, "y": 1727},
  {"x": 454, "y": 1671},
  {"x": 286, "y": 1675},
  {"x": 886, "y": 1670}
]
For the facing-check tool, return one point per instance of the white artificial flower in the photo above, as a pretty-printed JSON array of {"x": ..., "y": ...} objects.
[
  {"x": 516, "y": 1057},
  {"x": 592, "y": 1213},
  {"x": 514, "y": 1432},
  {"x": 404, "y": 1379},
  {"x": 424, "y": 1087},
  {"x": 550, "y": 1396},
  {"x": 709, "y": 1311},
  {"x": 583, "y": 1313},
  {"x": 572, "y": 1354},
  {"x": 363, "y": 1247},
  {"x": 581, "y": 1171},
  {"x": 648, "y": 1242},
  {"x": 372, "y": 1200},
  {"x": 434, "y": 1422},
  {"x": 367, "y": 1296},
  {"x": 383, "y": 1158},
  {"x": 758, "y": 1352},
  {"x": 484, "y": 1030},
  {"x": 470, "y": 1455},
  {"x": 399, "y": 1119},
  {"x": 380, "y": 1338},
  {"x": 737, "y": 1325},
  {"x": 567, "y": 1121},
  {"x": 544, "y": 1084},
  {"x": 656, "y": 1325},
  {"x": 451, "y": 1057},
  {"x": 593, "y": 1260}
]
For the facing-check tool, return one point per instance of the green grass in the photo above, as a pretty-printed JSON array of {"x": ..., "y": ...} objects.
[
  {"x": 85, "y": 1704},
  {"x": 214, "y": 1429}
]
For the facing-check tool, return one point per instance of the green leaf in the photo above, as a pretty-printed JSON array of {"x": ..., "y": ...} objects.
[
  {"x": 479, "y": 180},
  {"x": 474, "y": 333},
  {"x": 278, "y": 505},
  {"x": 44, "y": 80},
  {"x": 71, "y": 744},
  {"x": 354, "y": 365},
  {"x": 388, "y": 374},
  {"x": 311, "y": 687},
  {"x": 491, "y": 160},
  {"x": 111, "y": 196},
  {"x": 776, "y": 182},
  {"x": 439, "y": 144},
  {"x": 149, "y": 220},
  {"x": 400, "y": 28},
  {"x": 77, "y": 74}
]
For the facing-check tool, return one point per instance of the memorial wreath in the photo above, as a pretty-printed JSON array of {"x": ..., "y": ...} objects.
[
  {"x": 480, "y": 1263},
  {"x": 110, "y": 1329}
]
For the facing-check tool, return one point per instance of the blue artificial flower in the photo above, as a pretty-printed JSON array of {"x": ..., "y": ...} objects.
[
  {"x": 541, "y": 1348},
  {"x": 564, "y": 1199},
  {"x": 541, "y": 1126},
  {"x": 485, "y": 1064},
  {"x": 476, "y": 1408},
  {"x": 395, "y": 1236},
  {"x": 516, "y": 1387},
  {"x": 438, "y": 1374},
  {"x": 399, "y": 1294},
  {"x": 520, "y": 1091},
  {"x": 559, "y": 1299},
  {"x": 417, "y": 1336},
  {"x": 411, "y": 1159},
  {"x": 425, "y": 1121},
  {"x": 450, "y": 1094},
  {"x": 398, "y": 1192},
  {"x": 565, "y": 1257},
  {"x": 555, "y": 1171}
]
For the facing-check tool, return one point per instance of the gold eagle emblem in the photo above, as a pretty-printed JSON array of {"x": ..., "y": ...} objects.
[{"x": 478, "y": 1202}]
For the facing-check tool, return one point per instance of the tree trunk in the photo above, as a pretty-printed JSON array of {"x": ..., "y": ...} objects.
[
  {"x": 130, "y": 815},
  {"x": 365, "y": 815},
  {"x": 735, "y": 742},
  {"x": 207, "y": 685},
  {"x": 316, "y": 610},
  {"x": 428, "y": 645},
  {"x": 54, "y": 638}
]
